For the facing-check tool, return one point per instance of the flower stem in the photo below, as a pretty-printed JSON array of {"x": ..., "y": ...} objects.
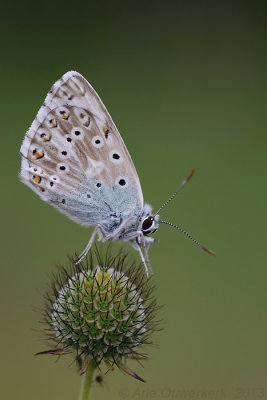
[{"x": 86, "y": 381}]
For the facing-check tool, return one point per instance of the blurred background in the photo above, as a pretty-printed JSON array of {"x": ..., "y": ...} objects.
[{"x": 185, "y": 83}]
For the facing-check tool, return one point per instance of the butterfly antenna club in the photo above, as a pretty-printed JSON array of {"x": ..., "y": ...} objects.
[{"x": 190, "y": 237}]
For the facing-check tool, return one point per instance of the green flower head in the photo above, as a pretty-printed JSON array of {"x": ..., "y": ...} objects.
[{"x": 101, "y": 312}]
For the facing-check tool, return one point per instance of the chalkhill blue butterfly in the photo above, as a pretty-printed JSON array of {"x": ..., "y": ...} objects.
[{"x": 74, "y": 158}]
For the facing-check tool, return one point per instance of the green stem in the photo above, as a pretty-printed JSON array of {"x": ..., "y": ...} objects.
[{"x": 86, "y": 381}]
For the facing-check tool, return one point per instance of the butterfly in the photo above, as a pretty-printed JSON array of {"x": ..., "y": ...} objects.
[{"x": 74, "y": 158}]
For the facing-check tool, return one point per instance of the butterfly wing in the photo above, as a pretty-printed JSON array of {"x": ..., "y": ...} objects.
[{"x": 74, "y": 157}]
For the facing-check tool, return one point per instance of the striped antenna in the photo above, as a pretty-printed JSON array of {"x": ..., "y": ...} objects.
[
  {"x": 190, "y": 237},
  {"x": 176, "y": 192}
]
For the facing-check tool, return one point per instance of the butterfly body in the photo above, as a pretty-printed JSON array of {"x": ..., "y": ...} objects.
[{"x": 74, "y": 158}]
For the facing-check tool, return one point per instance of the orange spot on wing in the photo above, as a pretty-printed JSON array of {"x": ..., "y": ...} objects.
[
  {"x": 65, "y": 116},
  {"x": 39, "y": 154},
  {"x": 47, "y": 138},
  {"x": 41, "y": 188},
  {"x": 105, "y": 129},
  {"x": 37, "y": 179},
  {"x": 54, "y": 123}
]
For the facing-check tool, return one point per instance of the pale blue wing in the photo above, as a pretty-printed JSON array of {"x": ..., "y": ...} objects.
[{"x": 74, "y": 157}]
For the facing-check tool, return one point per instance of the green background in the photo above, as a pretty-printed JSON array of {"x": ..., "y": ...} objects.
[{"x": 185, "y": 83}]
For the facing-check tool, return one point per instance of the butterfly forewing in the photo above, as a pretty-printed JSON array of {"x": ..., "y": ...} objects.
[{"x": 74, "y": 157}]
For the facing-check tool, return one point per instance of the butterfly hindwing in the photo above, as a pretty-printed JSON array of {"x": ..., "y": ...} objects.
[{"x": 74, "y": 157}]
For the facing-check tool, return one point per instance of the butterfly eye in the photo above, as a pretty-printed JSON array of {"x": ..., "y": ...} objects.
[{"x": 148, "y": 225}]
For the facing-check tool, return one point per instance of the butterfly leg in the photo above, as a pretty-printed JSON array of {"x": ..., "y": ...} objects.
[
  {"x": 138, "y": 248},
  {"x": 87, "y": 248},
  {"x": 146, "y": 247}
]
